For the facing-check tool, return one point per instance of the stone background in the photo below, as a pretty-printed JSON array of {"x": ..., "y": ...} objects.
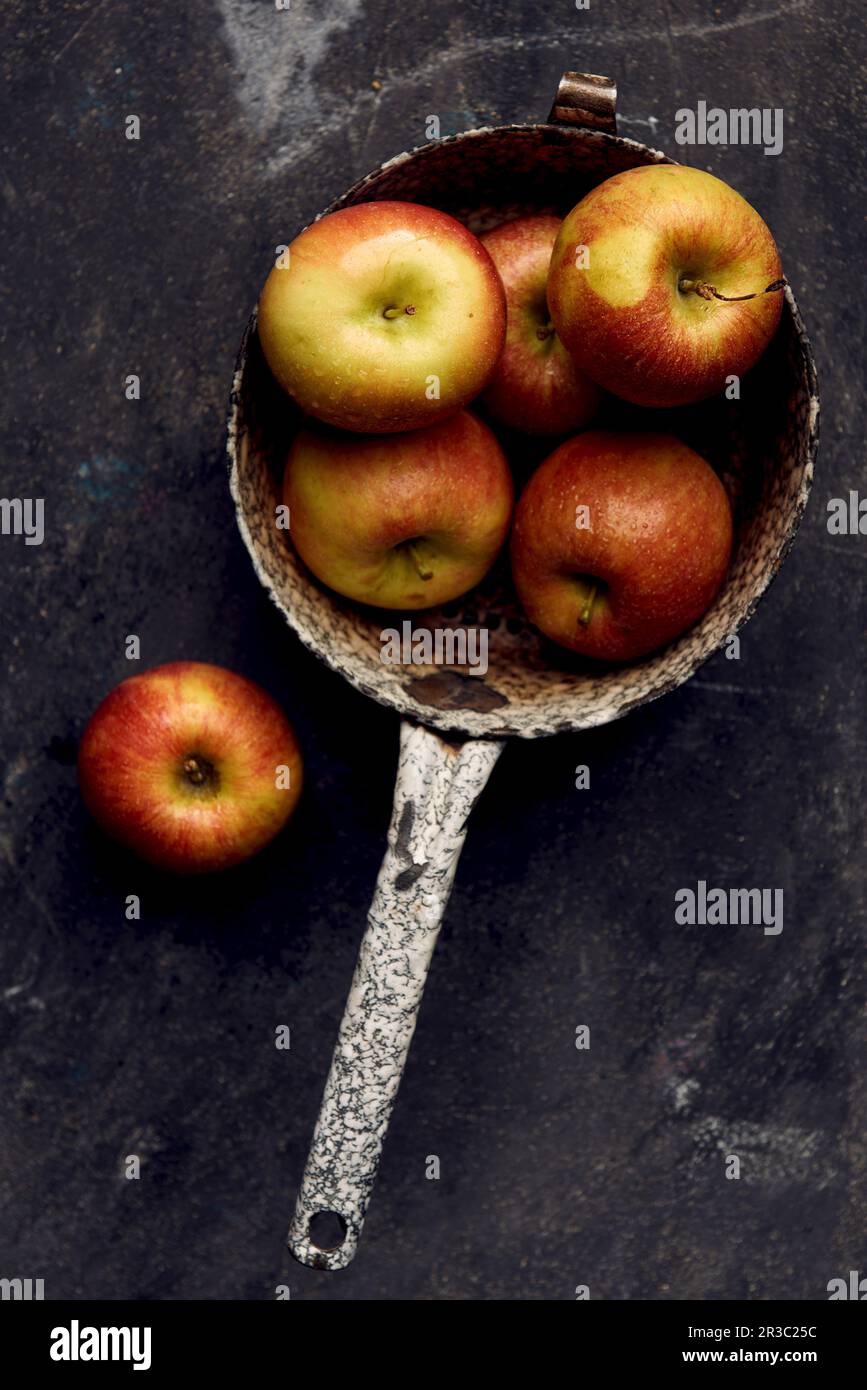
[{"x": 156, "y": 1037}]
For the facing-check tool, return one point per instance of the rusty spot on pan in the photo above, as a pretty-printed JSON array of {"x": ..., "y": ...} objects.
[{"x": 450, "y": 690}]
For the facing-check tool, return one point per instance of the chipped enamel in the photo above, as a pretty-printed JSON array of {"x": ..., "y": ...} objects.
[{"x": 437, "y": 787}]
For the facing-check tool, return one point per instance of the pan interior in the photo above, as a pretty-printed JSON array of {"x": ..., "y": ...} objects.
[{"x": 761, "y": 445}]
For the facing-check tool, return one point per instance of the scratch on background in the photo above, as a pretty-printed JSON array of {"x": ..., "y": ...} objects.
[{"x": 277, "y": 54}]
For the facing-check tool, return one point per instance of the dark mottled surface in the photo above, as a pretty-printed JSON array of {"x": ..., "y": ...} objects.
[{"x": 559, "y": 1167}]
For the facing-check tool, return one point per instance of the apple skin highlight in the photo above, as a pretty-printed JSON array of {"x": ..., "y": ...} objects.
[
  {"x": 622, "y": 315},
  {"x": 658, "y": 544},
  {"x": 372, "y": 515},
  {"x": 388, "y": 316},
  {"x": 132, "y": 775}
]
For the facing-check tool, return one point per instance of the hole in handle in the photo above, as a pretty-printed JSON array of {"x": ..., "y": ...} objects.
[{"x": 327, "y": 1230}]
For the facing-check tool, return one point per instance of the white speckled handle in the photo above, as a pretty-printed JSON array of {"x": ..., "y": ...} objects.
[{"x": 437, "y": 786}]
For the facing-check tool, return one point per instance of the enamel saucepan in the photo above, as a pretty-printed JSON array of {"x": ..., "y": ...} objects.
[{"x": 455, "y": 723}]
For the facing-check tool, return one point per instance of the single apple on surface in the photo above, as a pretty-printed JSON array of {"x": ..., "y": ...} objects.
[
  {"x": 385, "y": 316},
  {"x": 664, "y": 282},
  {"x": 620, "y": 543},
  {"x": 536, "y": 387},
  {"x": 399, "y": 521},
  {"x": 193, "y": 767}
]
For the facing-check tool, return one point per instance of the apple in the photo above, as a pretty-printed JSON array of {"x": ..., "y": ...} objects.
[
  {"x": 193, "y": 767},
  {"x": 399, "y": 521},
  {"x": 663, "y": 283},
  {"x": 382, "y": 317},
  {"x": 620, "y": 543},
  {"x": 536, "y": 387}
]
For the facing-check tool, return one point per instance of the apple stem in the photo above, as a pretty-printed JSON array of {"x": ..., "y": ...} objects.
[
  {"x": 194, "y": 771},
  {"x": 708, "y": 291},
  {"x": 546, "y": 332},
  {"x": 421, "y": 568},
  {"x": 393, "y": 312},
  {"x": 584, "y": 615}
]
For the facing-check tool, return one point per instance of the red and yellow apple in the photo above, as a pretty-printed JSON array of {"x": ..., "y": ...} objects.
[
  {"x": 385, "y": 316},
  {"x": 191, "y": 766},
  {"x": 399, "y": 520},
  {"x": 620, "y": 543},
  {"x": 536, "y": 386},
  {"x": 665, "y": 282}
]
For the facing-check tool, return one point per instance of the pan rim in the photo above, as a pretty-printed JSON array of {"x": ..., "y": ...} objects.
[{"x": 467, "y": 723}]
